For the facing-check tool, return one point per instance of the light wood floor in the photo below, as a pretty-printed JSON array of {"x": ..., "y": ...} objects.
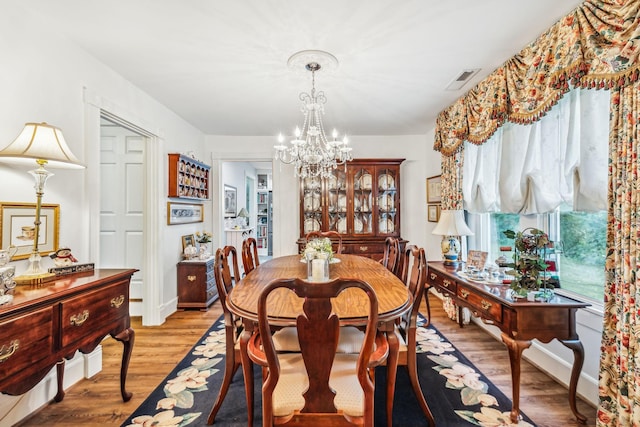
[{"x": 97, "y": 402}]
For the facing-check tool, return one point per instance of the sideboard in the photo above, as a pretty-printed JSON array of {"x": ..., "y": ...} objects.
[
  {"x": 44, "y": 326},
  {"x": 520, "y": 321}
]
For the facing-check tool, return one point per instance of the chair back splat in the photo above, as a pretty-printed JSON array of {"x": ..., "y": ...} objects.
[
  {"x": 318, "y": 385},
  {"x": 250, "y": 258},
  {"x": 391, "y": 259},
  {"x": 334, "y": 236}
]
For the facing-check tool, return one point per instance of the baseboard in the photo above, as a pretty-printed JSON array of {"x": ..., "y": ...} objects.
[{"x": 13, "y": 409}]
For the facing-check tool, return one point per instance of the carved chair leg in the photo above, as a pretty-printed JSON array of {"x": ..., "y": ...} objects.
[
  {"x": 412, "y": 368},
  {"x": 230, "y": 369}
]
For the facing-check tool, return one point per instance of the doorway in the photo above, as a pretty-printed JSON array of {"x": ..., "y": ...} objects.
[{"x": 122, "y": 214}]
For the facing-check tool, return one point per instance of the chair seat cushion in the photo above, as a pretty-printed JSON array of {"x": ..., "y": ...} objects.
[
  {"x": 350, "y": 341},
  {"x": 287, "y": 396}
]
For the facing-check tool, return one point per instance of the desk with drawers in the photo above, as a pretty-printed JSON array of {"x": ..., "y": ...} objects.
[
  {"x": 520, "y": 321},
  {"x": 44, "y": 326}
]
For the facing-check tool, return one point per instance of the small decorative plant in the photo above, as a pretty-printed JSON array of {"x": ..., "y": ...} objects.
[
  {"x": 203, "y": 237},
  {"x": 529, "y": 264},
  {"x": 318, "y": 247}
]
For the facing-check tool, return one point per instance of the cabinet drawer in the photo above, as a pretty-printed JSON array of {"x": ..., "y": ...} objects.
[
  {"x": 363, "y": 249},
  {"x": 480, "y": 305},
  {"x": 25, "y": 340},
  {"x": 443, "y": 283},
  {"x": 88, "y": 316}
]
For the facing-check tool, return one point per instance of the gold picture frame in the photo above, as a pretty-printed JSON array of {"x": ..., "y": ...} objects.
[
  {"x": 433, "y": 213},
  {"x": 188, "y": 239},
  {"x": 434, "y": 189},
  {"x": 17, "y": 228}
]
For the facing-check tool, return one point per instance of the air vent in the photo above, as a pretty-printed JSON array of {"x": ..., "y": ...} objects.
[{"x": 462, "y": 78}]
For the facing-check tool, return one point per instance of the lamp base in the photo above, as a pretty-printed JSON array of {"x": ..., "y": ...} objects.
[{"x": 34, "y": 279}]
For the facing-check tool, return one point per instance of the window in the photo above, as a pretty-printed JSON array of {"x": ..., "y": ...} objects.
[{"x": 579, "y": 244}]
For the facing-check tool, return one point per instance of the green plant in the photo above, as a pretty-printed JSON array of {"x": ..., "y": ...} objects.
[
  {"x": 528, "y": 264},
  {"x": 204, "y": 237},
  {"x": 316, "y": 246}
]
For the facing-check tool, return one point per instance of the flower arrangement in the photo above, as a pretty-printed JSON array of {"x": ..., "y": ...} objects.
[
  {"x": 203, "y": 237},
  {"x": 318, "y": 246},
  {"x": 528, "y": 264}
]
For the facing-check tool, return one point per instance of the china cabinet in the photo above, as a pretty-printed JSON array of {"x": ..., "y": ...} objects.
[
  {"x": 188, "y": 178},
  {"x": 361, "y": 201}
]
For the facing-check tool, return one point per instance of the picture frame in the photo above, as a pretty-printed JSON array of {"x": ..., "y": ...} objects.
[
  {"x": 477, "y": 259},
  {"x": 433, "y": 213},
  {"x": 434, "y": 189},
  {"x": 230, "y": 201},
  {"x": 188, "y": 239},
  {"x": 184, "y": 213},
  {"x": 17, "y": 228}
]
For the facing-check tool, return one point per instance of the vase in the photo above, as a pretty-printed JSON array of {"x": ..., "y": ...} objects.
[
  {"x": 318, "y": 268},
  {"x": 204, "y": 251}
]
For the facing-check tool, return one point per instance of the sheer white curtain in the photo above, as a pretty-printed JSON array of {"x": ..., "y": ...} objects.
[{"x": 529, "y": 169}]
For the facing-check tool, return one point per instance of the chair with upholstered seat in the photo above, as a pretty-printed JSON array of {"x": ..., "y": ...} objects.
[
  {"x": 318, "y": 385},
  {"x": 233, "y": 328},
  {"x": 250, "y": 258},
  {"x": 391, "y": 258},
  {"x": 334, "y": 236},
  {"x": 414, "y": 275}
]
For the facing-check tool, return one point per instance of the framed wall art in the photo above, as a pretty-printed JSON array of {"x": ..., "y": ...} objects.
[
  {"x": 433, "y": 189},
  {"x": 230, "y": 201},
  {"x": 17, "y": 228},
  {"x": 433, "y": 213},
  {"x": 184, "y": 213}
]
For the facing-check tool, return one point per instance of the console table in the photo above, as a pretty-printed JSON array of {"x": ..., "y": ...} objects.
[
  {"x": 44, "y": 326},
  {"x": 520, "y": 321}
]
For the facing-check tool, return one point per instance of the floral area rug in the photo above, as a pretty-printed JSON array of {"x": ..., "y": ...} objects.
[{"x": 457, "y": 393}]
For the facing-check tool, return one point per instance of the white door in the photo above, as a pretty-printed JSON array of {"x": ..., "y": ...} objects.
[{"x": 121, "y": 204}]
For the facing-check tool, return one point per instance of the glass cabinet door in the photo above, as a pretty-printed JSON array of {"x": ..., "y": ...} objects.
[
  {"x": 363, "y": 201},
  {"x": 311, "y": 205},
  {"x": 337, "y": 201},
  {"x": 387, "y": 205}
]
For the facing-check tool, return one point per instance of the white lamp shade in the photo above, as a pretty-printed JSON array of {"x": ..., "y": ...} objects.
[
  {"x": 243, "y": 213},
  {"x": 41, "y": 141},
  {"x": 451, "y": 223}
]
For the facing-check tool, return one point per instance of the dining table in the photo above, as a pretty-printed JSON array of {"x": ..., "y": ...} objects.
[{"x": 351, "y": 306}]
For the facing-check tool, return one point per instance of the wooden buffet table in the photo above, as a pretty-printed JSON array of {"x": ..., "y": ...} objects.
[
  {"x": 393, "y": 296},
  {"x": 45, "y": 325},
  {"x": 520, "y": 322}
]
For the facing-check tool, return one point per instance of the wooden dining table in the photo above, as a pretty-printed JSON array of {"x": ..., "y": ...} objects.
[{"x": 351, "y": 306}]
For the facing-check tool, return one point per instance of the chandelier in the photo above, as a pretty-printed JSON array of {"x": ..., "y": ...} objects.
[{"x": 311, "y": 153}]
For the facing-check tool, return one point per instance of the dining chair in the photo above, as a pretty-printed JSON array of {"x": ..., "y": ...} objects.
[
  {"x": 414, "y": 275},
  {"x": 318, "y": 385},
  {"x": 250, "y": 258},
  {"x": 233, "y": 328},
  {"x": 391, "y": 258},
  {"x": 334, "y": 236}
]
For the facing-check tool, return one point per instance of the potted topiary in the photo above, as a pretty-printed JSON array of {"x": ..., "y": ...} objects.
[{"x": 529, "y": 266}]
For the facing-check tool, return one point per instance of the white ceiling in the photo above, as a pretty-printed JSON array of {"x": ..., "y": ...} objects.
[{"x": 222, "y": 64}]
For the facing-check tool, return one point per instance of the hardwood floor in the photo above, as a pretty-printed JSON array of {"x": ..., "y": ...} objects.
[{"x": 97, "y": 402}]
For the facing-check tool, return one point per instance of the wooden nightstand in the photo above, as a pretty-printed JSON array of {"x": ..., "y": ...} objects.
[{"x": 196, "y": 284}]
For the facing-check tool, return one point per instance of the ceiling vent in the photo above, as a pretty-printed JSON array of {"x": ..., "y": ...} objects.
[{"x": 462, "y": 78}]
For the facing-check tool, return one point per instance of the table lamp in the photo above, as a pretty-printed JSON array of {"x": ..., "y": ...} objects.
[
  {"x": 450, "y": 226},
  {"x": 43, "y": 144},
  {"x": 244, "y": 215}
]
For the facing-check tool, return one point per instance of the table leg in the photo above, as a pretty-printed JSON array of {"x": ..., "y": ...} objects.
[
  {"x": 392, "y": 370},
  {"x": 127, "y": 338},
  {"x": 60, "y": 378},
  {"x": 578, "y": 360},
  {"x": 515, "y": 347}
]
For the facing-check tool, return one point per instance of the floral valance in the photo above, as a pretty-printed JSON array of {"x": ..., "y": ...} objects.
[{"x": 595, "y": 46}]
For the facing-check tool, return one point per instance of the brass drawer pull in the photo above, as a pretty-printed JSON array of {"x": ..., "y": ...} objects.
[
  {"x": 433, "y": 276},
  {"x": 464, "y": 293},
  {"x": 446, "y": 283},
  {"x": 486, "y": 305},
  {"x": 191, "y": 278},
  {"x": 6, "y": 354},
  {"x": 79, "y": 319},
  {"x": 364, "y": 248},
  {"x": 117, "y": 301}
]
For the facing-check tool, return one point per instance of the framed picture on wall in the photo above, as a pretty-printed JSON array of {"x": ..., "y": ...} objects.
[
  {"x": 433, "y": 189},
  {"x": 230, "y": 201},
  {"x": 184, "y": 213},
  {"x": 17, "y": 228},
  {"x": 433, "y": 213}
]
